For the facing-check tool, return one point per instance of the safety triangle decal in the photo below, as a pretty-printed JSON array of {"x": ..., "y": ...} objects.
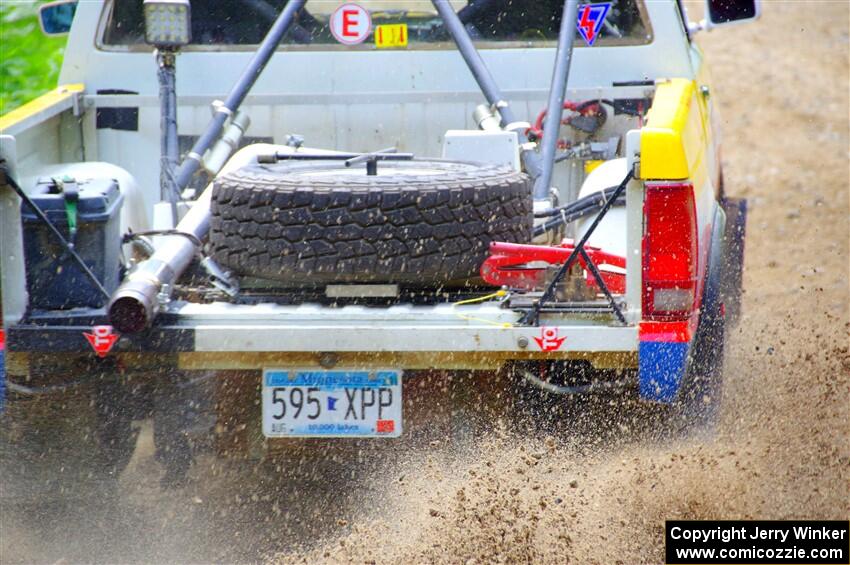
[{"x": 590, "y": 20}]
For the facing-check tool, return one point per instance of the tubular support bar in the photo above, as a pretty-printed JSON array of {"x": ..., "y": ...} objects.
[
  {"x": 560, "y": 75},
  {"x": 168, "y": 126},
  {"x": 239, "y": 91},
  {"x": 474, "y": 61},
  {"x": 483, "y": 77}
]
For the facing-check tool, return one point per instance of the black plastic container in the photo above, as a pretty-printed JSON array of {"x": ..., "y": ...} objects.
[{"x": 54, "y": 280}]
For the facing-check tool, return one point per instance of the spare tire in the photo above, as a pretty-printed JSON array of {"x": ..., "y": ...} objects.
[{"x": 308, "y": 222}]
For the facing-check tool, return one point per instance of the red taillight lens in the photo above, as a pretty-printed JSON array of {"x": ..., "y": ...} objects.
[{"x": 669, "y": 251}]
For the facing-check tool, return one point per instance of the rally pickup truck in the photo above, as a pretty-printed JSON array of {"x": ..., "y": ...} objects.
[{"x": 290, "y": 211}]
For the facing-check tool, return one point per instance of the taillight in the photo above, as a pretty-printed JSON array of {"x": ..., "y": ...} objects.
[{"x": 669, "y": 251}]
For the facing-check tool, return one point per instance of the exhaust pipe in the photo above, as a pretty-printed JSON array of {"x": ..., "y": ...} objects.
[{"x": 136, "y": 302}]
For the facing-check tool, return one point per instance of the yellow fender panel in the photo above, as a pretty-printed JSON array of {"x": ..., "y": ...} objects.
[
  {"x": 40, "y": 104},
  {"x": 673, "y": 142}
]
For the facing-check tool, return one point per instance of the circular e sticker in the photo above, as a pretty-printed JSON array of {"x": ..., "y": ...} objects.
[{"x": 351, "y": 24}]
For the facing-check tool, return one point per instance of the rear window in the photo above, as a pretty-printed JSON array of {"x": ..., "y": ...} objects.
[{"x": 234, "y": 23}]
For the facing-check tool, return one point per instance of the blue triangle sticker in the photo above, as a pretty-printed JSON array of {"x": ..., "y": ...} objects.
[{"x": 590, "y": 19}]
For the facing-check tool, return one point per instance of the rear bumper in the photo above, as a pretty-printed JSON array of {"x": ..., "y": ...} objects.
[{"x": 226, "y": 336}]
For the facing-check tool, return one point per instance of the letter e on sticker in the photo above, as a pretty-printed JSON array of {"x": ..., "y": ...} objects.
[{"x": 351, "y": 24}]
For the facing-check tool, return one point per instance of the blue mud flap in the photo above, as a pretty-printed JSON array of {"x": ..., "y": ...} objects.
[{"x": 662, "y": 367}]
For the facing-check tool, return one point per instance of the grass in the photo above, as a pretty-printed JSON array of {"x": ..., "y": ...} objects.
[{"x": 29, "y": 61}]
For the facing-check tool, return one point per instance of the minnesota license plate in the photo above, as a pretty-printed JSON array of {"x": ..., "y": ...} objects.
[{"x": 338, "y": 403}]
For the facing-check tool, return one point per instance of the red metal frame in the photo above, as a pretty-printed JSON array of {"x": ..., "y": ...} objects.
[{"x": 517, "y": 266}]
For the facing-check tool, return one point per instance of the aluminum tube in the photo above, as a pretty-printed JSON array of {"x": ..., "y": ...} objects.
[
  {"x": 473, "y": 60},
  {"x": 237, "y": 94},
  {"x": 135, "y": 304},
  {"x": 216, "y": 157},
  {"x": 557, "y": 92}
]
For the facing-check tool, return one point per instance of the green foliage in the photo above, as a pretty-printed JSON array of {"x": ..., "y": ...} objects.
[{"x": 29, "y": 61}]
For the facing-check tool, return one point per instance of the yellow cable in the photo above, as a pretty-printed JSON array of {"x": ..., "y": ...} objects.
[{"x": 497, "y": 294}]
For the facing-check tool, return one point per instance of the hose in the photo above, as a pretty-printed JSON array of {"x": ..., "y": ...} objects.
[
  {"x": 574, "y": 389},
  {"x": 575, "y": 210},
  {"x": 128, "y": 237}
]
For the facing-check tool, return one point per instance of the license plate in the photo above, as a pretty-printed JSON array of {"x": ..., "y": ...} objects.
[{"x": 338, "y": 403}]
